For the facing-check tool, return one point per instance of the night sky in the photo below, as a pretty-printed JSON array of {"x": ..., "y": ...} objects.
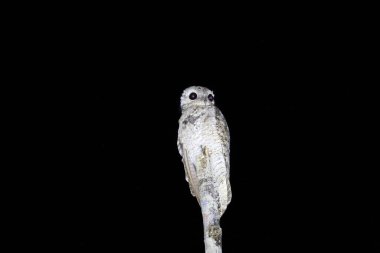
[{"x": 282, "y": 85}]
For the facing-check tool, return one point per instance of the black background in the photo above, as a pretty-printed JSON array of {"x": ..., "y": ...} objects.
[{"x": 286, "y": 85}]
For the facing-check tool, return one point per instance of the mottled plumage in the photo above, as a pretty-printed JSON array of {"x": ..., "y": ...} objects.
[{"x": 204, "y": 144}]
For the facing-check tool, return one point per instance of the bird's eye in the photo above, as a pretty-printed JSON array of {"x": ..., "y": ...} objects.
[
  {"x": 193, "y": 96},
  {"x": 211, "y": 97}
]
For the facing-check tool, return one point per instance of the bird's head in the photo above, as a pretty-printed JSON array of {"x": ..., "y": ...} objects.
[{"x": 196, "y": 96}]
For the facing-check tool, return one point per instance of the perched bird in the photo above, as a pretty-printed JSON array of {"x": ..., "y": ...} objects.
[{"x": 204, "y": 144}]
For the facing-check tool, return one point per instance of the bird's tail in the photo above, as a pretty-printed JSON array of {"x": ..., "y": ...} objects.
[
  {"x": 211, "y": 225},
  {"x": 213, "y": 239}
]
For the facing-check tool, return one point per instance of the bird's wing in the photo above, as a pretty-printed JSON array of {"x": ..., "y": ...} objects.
[
  {"x": 190, "y": 171},
  {"x": 224, "y": 135}
]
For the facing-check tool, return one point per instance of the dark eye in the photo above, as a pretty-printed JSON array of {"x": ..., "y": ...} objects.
[
  {"x": 211, "y": 97},
  {"x": 193, "y": 96}
]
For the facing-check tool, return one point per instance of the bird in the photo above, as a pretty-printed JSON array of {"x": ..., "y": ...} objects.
[{"x": 204, "y": 145}]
